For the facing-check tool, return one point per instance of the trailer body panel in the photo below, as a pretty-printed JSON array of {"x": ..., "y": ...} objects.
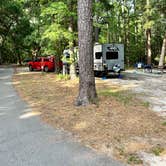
[{"x": 106, "y": 56}]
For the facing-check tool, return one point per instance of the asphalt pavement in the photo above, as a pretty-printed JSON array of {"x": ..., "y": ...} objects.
[{"x": 27, "y": 141}]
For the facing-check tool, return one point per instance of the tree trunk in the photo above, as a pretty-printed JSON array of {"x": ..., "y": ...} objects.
[
  {"x": 108, "y": 33},
  {"x": 96, "y": 28},
  {"x": 148, "y": 45},
  {"x": 18, "y": 56},
  {"x": 0, "y": 58},
  {"x": 72, "y": 71},
  {"x": 148, "y": 34},
  {"x": 19, "y": 59},
  {"x": 72, "y": 64},
  {"x": 96, "y": 34},
  {"x": 162, "y": 55},
  {"x": 87, "y": 89},
  {"x": 71, "y": 44}
]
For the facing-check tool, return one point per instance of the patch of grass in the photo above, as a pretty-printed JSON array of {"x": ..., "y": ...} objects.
[
  {"x": 122, "y": 96},
  {"x": 157, "y": 150},
  {"x": 146, "y": 104},
  {"x": 134, "y": 159},
  {"x": 63, "y": 77},
  {"x": 164, "y": 123}
]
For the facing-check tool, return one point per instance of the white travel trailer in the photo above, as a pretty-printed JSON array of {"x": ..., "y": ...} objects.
[{"x": 108, "y": 58}]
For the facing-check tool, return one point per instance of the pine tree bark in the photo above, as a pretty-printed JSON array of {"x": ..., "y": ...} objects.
[
  {"x": 162, "y": 55},
  {"x": 87, "y": 90}
]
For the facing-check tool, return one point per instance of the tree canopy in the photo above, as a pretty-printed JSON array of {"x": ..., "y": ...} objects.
[{"x": 45, "y": 26}]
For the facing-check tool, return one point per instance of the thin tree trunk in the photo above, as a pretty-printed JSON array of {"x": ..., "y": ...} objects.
[
  {"x": 1, "y": 46},
  {"x": 87, "y": 89},
  {"x": 135, "y": 23},
  {"x": 0, "y": 56},
  {"x": 72, "y": 64},
  {"x": 17, "y": 52},
  {"x": 19, "y": 59},
  {"x": 96, "y": 34},
  {"x": 162, "y": 55},
  {"x": 108, "y": 33},
  {"x": 96, "y": 28},
  {"x": 148, "y": 46},
  {"x": 71, "y": 45},
  {"x": 148, "y": 35}
]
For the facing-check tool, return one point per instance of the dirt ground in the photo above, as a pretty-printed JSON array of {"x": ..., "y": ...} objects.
[{"x": 120, "y": 125}]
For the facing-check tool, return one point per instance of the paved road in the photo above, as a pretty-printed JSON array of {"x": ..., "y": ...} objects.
[{"x": 29, "y": 142}]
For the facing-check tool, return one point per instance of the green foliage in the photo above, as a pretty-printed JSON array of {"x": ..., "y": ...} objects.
[
  {"x": 122, "y": 96},
  {"x": 148, "y": 24},
  {"x": 146, "y": 104},
  {"x": 14, "y": 28},
  {"x": 55, "y": 32},
  {"x": 43, "y": 26},
  {"x": 157, "y": 150},
  {"x": 164, "y": 123},
  {"x": 63, "y": 77},
  {"x": 134, "y": 159},
  {"x": 56, "y": 11}
]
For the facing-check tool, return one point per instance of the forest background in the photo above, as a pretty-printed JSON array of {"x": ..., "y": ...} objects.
[{"x": 47, "y": 27}]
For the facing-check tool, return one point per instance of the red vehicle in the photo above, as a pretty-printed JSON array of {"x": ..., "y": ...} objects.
[{"x": 42, "y": 63}]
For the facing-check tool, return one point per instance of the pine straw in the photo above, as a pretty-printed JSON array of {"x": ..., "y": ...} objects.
[{"x": 119, "y": 125}]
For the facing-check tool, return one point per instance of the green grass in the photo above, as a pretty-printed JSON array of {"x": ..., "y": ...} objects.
[
  {"x": 63, "y": 77},
  {"x": 126, "y": 97},
  {"x": 134, "y": 159},
  {"x": 157, "y": 150},
  {"x": 122, "y": 96},
  {"x": 146, "y": 104},
  {"x": 164, "y": 123}
]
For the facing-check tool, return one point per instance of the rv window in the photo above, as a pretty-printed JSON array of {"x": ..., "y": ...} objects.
[
  {"x": 98, "y": 55},
  {"x": 111, "y": 55}
]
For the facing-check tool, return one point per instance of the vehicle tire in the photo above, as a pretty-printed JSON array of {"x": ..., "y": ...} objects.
[
  {"x": 46, "y": 68},
  {"x": 96, "y": 73},
  {"x": 30, "y": 68}
]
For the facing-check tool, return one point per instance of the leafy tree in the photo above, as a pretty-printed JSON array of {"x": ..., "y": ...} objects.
[
  {"x": 14, "y": 29},
  {"x": 161, "y": 29},
  {"x": 57, "y": 32},
  {"x": 162, "y": 55},
  {"x": 51, "y": 26}
]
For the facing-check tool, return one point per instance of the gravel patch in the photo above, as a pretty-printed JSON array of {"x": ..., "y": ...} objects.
[{"x": 150, "y": 87}]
